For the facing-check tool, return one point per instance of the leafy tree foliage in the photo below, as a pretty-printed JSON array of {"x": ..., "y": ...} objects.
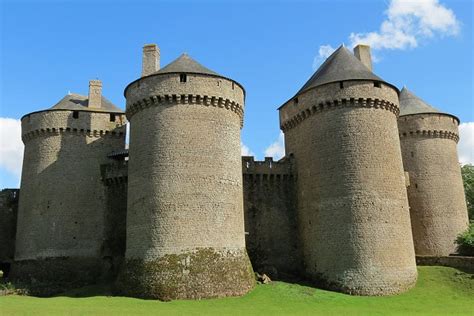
[{"x": 467, "y": 172}]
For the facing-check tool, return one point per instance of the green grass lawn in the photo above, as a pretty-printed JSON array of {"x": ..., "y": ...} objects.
[{"x": 439, "y": 291}]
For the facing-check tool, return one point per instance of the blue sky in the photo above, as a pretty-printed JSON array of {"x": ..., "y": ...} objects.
[{"x": 51, "y": 47}]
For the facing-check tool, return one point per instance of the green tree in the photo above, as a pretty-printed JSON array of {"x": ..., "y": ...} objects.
[{"x": 467, "y": 172}]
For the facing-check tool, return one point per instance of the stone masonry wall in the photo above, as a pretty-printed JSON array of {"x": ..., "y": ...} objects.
[
  {"x": 436, "y": 194},
  {"x": 115, "y": 179},
  {"x": 270, "y": 216},
  {"x": 61, "y": 211},
  {"x": 8, "y": 219},
  {"x": 185, "y": 188},
  {"x": 352, "y": 205}
]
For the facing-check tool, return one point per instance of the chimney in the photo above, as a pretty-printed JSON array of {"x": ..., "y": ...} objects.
[
  {"x": 151, "y": 59},
  {"x": 362, "y": 52},
  {"x": 95, "y": 94}
]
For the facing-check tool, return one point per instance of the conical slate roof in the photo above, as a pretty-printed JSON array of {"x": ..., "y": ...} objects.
[
  {"x": 340, "y": 66},
  {"x": 77, "y": 102},
  {"x": 411, "y": 104},
  {"x": 186, "y": 64}
]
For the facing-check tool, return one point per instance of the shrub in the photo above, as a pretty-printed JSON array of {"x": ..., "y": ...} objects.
[{"x": 465, "y": 241}]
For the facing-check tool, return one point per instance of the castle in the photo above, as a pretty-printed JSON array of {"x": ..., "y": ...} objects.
[{"x": 370, "y": 178}]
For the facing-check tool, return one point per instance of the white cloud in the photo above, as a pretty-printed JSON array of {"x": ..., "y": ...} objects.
[
  {"x": 407, "y": 23},
  {"x": 324, "y": 52},
  {"x": 466, "y": 143},
  {"x": 11, "y": 146},
  {"x": 245, "y": 151},
  {"x": 277, "y": 149}
]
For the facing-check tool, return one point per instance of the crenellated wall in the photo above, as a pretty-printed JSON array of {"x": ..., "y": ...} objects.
[{"x": 271, "y": 217}]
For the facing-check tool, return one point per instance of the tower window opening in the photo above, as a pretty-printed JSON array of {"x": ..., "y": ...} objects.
[
  {"x": 341, "y": 85},
  {"x": 112, "y": 117},
  {"x": 183, "y": 78},
  {"x": 232, "y": 86},
  {"x": 75, "y": 114},
  {"x": 295, "y": 101},
  {"x": 377, "y": 85},
  {"x": 412, "y": 154}
]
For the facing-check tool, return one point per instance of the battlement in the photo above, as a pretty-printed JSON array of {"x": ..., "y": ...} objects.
[
  {"x": 331, "y": 104},
  {"x": 267, "y": 169},
  {"x": 89, "y": 124},
  {"x": 170, "y": 99},
  {"x": 431, "y": 125},
  {"x": 351, "y": 93}
]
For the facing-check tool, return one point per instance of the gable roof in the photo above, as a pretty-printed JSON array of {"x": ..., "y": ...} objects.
[
  {"x": 186, "y": 64},
  {"x": 342, "y": 65}
]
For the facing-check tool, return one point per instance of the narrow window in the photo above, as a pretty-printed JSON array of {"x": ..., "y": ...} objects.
[
  {"x": 182, "y": 78},
  {"x": 377, "y": 85},
  {"x": 232, "y": 86},
  {"x": 75, "y": 114},
  {"x": 112, "y": 117},
  {"x": 218, "y": 83},
  {"x": 412, "y": 154},
  {"x": 341, "y": 85},
  {"x": 295, "y": 101}
]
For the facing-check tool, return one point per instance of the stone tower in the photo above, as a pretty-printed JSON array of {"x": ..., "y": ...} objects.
[
  {"x": 185, "y": 224},
  {"x": 438, "y": 208},
  {"x": 354, "y": 222},
  {"x": 61, "y": 209}
]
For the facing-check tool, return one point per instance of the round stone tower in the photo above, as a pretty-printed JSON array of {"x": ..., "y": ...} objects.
[
  {"x": 353, "y": 212},
  {"x": 438, "y": 208},
  {"x": 185, "y": 225},
  {"x": 61, "y": 208}
]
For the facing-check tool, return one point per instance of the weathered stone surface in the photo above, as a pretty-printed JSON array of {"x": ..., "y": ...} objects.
[
  {"x": 197, "y": 274},
  {"x": 8, "y": 219},
  {"x": 185, "y": 177},
  {"x": 436, "y": 194},
  {"x": 352, "y": 205},
  {"x": 459, "y": 262}
]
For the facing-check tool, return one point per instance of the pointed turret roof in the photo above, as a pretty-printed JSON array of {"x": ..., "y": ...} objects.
[
  {"x": 77, "y": 102},
  {"x": 342, "y": 65},
  {"x": 411, "y": 104},
  {"x": 186, "y": 64}
]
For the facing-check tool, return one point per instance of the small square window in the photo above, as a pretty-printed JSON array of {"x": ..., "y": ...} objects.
[
  {"x": 75, "y": 114},
  {"x": 183, "y": 78},
  {"x": 377, "y": 84},
  {"x": 112, "y": 117}
]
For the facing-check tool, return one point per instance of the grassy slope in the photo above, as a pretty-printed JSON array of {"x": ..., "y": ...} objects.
[{"x": 439, "y": 291}]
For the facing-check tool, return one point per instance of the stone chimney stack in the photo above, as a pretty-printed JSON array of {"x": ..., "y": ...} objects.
[
  {"x": 151, "y": 59},
  {"x": 95, "y": 94},
  {"x": 362, "y": 52}
]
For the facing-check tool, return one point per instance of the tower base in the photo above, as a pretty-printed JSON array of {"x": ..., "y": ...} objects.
[{"x": 203, "y": 273}]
